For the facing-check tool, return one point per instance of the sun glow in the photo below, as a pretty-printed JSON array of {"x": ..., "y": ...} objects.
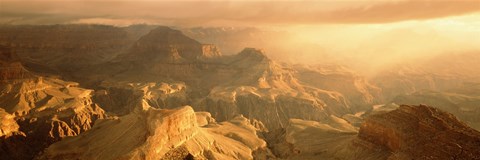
[{"x": 387, "y": 42}]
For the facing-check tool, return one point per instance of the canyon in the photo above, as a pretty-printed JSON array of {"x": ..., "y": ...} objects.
[{"x": 152, "y": 92}]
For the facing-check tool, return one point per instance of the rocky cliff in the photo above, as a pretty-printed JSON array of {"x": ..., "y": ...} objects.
[
  {"x": 46, "y": 111},
  {"x": 121, "y": 98},
  {"x": 421, "y": 132},
  {"x": 407, "y": 132},
  {"x": 11, "y": 68},
  {"x": 247, "y": 83},
  {"x": 166, "y": 45},
  {"x": 38, "y": 111},
  {"x": 150, "y": 133},
  {"x": 9, "y": 126},
  {"x": 333, "y": 138}
]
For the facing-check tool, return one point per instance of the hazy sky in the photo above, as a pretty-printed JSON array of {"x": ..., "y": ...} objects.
[
  {"x": 202, "y": 13},
  {"x": 376, "y": 30}
]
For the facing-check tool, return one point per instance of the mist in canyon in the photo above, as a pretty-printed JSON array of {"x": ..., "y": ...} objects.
[{"x": 233, "y": 79}]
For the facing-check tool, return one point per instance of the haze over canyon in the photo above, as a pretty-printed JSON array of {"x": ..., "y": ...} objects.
[{"x": 109, "y": 80}]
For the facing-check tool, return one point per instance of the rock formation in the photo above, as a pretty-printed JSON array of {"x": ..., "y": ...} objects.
[
  {"x": 265, "y": 90},
  {"x": 165, "y": 45},
  {"x": 274, "y": 42},
  {"x": 38, "y": 111},
  {"x": 331, "y": 139},
  {"x": 158, "y": 94},
  {"x": 222, "y": 85},
  {"x": 120, "y": 98},
  {"x": 166, "y": 55},
  {"x": 11, "y": 68},
  {"x": 408, "y": 132},
  {"x": 9, "y": 126},
  {"x": 231, "y": 39},
  {"x": 150, "y": 133},
  {"x": 421, "y": 132}
]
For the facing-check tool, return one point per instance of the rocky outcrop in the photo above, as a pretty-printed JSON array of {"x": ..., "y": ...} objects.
[
  {"x": 210, "y": 51},
  {"x": 333, "y": 138},
  {"x": 46, "y": 111},
  {"x": 120, "y": 98},
  {"x": 38, "y": 111},
  {"x": 421, "y": 132},
  {"x": 165, "y": 55},
  {"x": 273, "y": 108},
  {"x": 11, "y": 68},
  {"x": 407, "y": 132},
  {"x": 8, "y": 124},
  {"x": 150, "y": 133},
  {"x": 166, "y": 45}
]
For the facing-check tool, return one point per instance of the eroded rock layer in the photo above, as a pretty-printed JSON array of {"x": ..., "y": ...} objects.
[
  {"x": 151, "y": 133},
  {"x": 46, "y": 111},
  {"x": 248, "y": 83},
  {"x": 421, "y": 132},
  {"x": 38, "y": 111},
  {"x": 146, "y": 78},
  {"x": 10, "y": 66},
  {"x": 334, "y": 138}
]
